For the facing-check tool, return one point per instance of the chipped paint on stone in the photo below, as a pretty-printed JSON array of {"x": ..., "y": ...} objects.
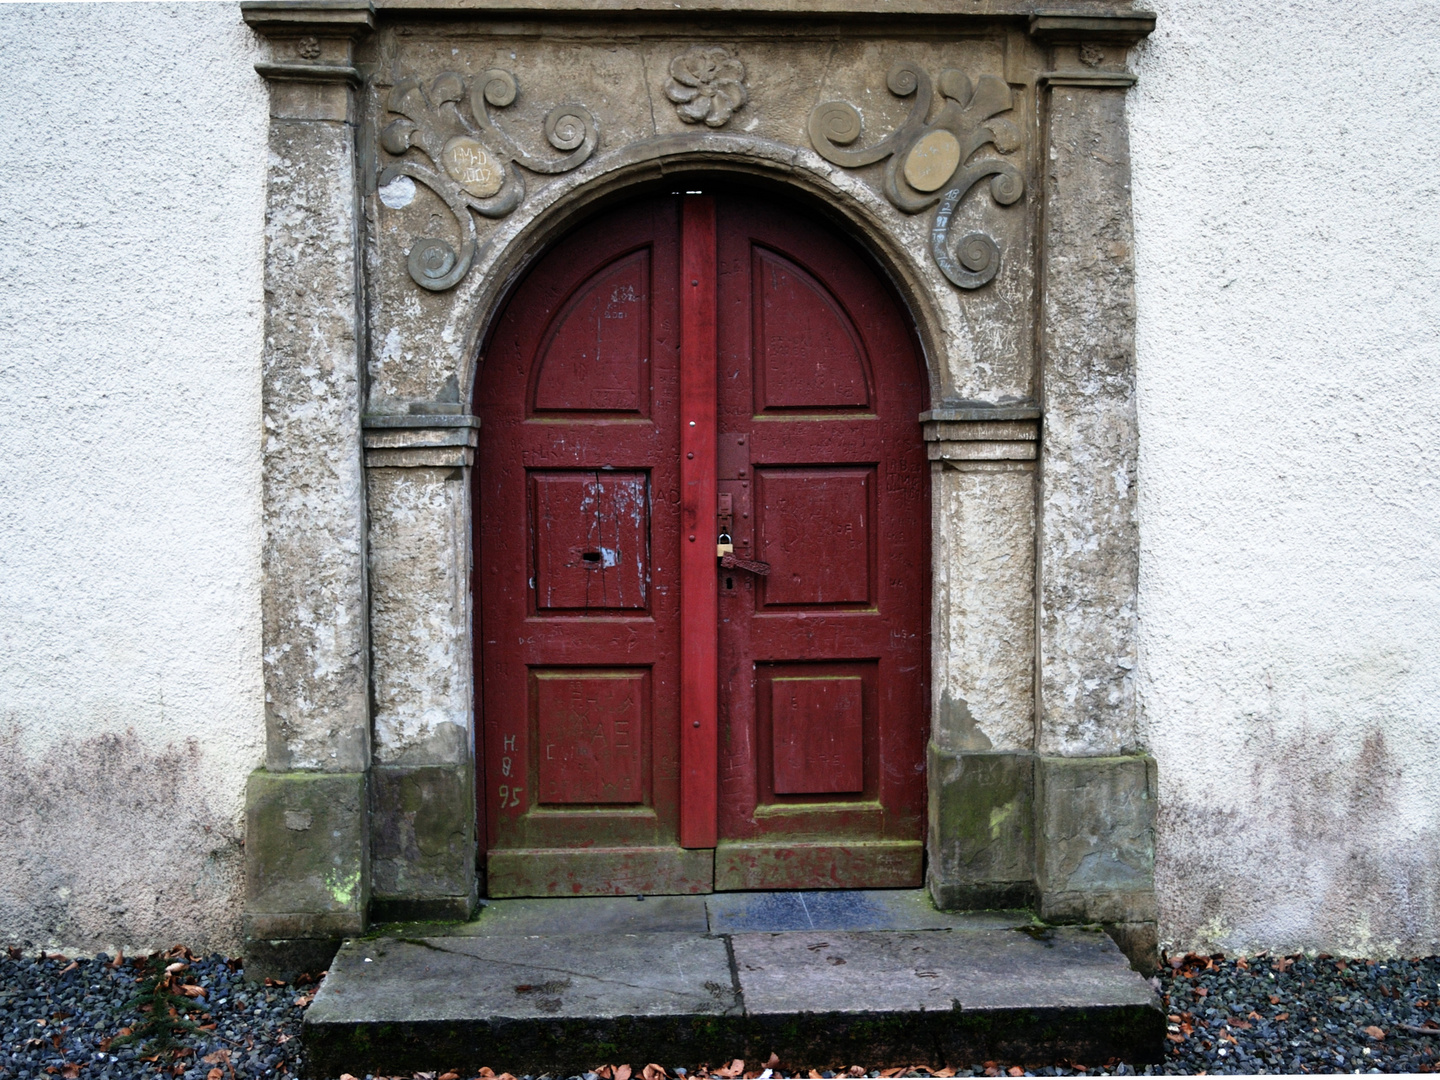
[
  {"x": 420, "y": 615},
  {"x": 314, "y": 586},
  {"x": 983, "y": 607},
  {"x": 1088, "y": 537}
]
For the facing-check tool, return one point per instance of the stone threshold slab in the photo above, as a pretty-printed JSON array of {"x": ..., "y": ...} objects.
[
  {"x": 565, "y": 1002},
  {"x": 719, "y": 913}
]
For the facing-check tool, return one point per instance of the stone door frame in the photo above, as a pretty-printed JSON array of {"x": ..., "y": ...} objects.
[{"x": 1039, "y": 791}]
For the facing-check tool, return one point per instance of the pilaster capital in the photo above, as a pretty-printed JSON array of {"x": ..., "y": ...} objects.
[
  {"x": 420, "y": 440},
  {"x": 959, "y": 433},
  {"x": 1090, "y": 50},
  {"x": 310, "y": 42}
]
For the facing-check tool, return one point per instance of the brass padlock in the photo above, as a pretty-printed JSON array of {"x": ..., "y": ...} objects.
[{"x": 725, "y": 546}]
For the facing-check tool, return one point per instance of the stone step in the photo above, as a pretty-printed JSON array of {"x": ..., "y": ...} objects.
[{"x": 824, "y": 980}]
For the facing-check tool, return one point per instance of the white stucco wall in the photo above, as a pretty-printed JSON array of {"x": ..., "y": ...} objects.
[
  {"x": 131, "y": 709},
  {"x": 1288, "y": 245}
]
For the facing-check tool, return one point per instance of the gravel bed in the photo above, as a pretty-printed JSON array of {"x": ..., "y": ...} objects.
[
  {"x": 60, "y": 1019},
  {"x": 1301, "y": 1014}
]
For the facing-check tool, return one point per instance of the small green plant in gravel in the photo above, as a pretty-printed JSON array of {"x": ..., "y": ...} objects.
[{"x": 164, "y": 1004}]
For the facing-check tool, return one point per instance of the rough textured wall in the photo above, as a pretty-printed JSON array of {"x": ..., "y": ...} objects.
[
  {"x": 1289, "y": 299},
  {"x": 132, "y": 188}
]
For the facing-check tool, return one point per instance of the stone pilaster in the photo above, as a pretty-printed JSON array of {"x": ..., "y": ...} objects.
[
  {"x": 1088, "y": 542},
  {"x": 423, "y": 796},
  {"x": 1094, "y": 807},
  {"x": 980, "y": 836},
  {"x": 313, "y": 558}
]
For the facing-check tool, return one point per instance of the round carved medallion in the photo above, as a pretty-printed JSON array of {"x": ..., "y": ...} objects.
[
  {"x": 473, "y": 167},
  {"x": 932, "y": 161}
]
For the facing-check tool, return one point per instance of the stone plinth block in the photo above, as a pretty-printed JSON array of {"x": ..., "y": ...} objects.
[
  {"x": 423, "y": 843},
  {"x": 307, "y": 865},
  {"x": 981, "y": 838},
  {"x": 1096, "y": 839}
]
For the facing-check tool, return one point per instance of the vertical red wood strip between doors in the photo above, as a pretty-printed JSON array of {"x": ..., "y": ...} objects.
[{"x": 699, "y": 600}]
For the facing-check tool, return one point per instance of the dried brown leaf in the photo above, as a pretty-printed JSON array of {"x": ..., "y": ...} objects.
[{"x": 1374, "y": 1032}]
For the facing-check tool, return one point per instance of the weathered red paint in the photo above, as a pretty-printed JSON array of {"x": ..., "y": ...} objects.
[
  {"x": 639, "y": 698},
  {"x": 578, "y": 529},
  {"x": 820, "y": 389},
  {"x": 699, "y": 604},
  {"x": 817, "y": 727}
]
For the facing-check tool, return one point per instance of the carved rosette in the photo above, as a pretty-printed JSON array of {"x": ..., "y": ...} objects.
[
  {"x": 473, "y": 164},
  {"x": 938, "y": 161},
  {"x": 707, "y": 83}
]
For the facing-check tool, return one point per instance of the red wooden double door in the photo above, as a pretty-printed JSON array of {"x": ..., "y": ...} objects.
[{"x": 683, "y": 373}]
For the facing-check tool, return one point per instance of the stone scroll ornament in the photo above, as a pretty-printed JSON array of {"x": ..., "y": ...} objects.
[
  {"x": 473, "y": 164},
  {"x": 936, "y": 161}
]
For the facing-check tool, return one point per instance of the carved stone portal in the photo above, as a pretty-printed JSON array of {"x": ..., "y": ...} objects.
[{"x": 384, "y": 125}]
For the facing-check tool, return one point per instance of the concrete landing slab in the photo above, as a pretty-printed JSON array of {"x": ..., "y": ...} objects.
[
  {"x": 947, "y": 996},
  {"x": 393, "y": 1005},
  {"x": 565, "y": 1002}
]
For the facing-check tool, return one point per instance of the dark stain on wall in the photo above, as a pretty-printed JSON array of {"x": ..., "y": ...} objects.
[
  {"x": 108, "y": 841},
  {"x": 1312, "y": 849}
]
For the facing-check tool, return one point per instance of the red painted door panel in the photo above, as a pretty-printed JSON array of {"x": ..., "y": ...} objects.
[
  {"x": 652, "y": 722},
  {"x": 578, "y": 521},
  {"x": 824, "y": 694}
]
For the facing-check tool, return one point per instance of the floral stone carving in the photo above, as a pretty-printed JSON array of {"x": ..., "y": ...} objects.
[
  {"x": 474, "y": 166},
  {"x": 938, "y": 161},
  {"x": 707, "y": 83}
]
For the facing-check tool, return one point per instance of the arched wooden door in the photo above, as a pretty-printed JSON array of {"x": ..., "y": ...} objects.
[{"x": 682, "y": 372}]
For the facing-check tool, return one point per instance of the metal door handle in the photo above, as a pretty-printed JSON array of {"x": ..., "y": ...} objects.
[{"x": 736, "y": 562}]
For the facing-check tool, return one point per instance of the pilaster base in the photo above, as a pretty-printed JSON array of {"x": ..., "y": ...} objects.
[
  {"x": 307, "y": 868},
  {"x": 424, "y": 843}
]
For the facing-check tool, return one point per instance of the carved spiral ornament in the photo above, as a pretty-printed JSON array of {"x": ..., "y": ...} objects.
[
  {"x": 498, "y": 87},
  {"x": 938, "y": 160},
  {"x": 835, "y": 122},
  {"x": 474, "y": 166},
  {"x": 567, "y": 126},
  {"x": 431, "y": 260}
]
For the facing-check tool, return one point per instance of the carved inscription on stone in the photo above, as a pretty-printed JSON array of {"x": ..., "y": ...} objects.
[
  {"x": 936, "y": 161},
  {"x": 473, "y": 167}
]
